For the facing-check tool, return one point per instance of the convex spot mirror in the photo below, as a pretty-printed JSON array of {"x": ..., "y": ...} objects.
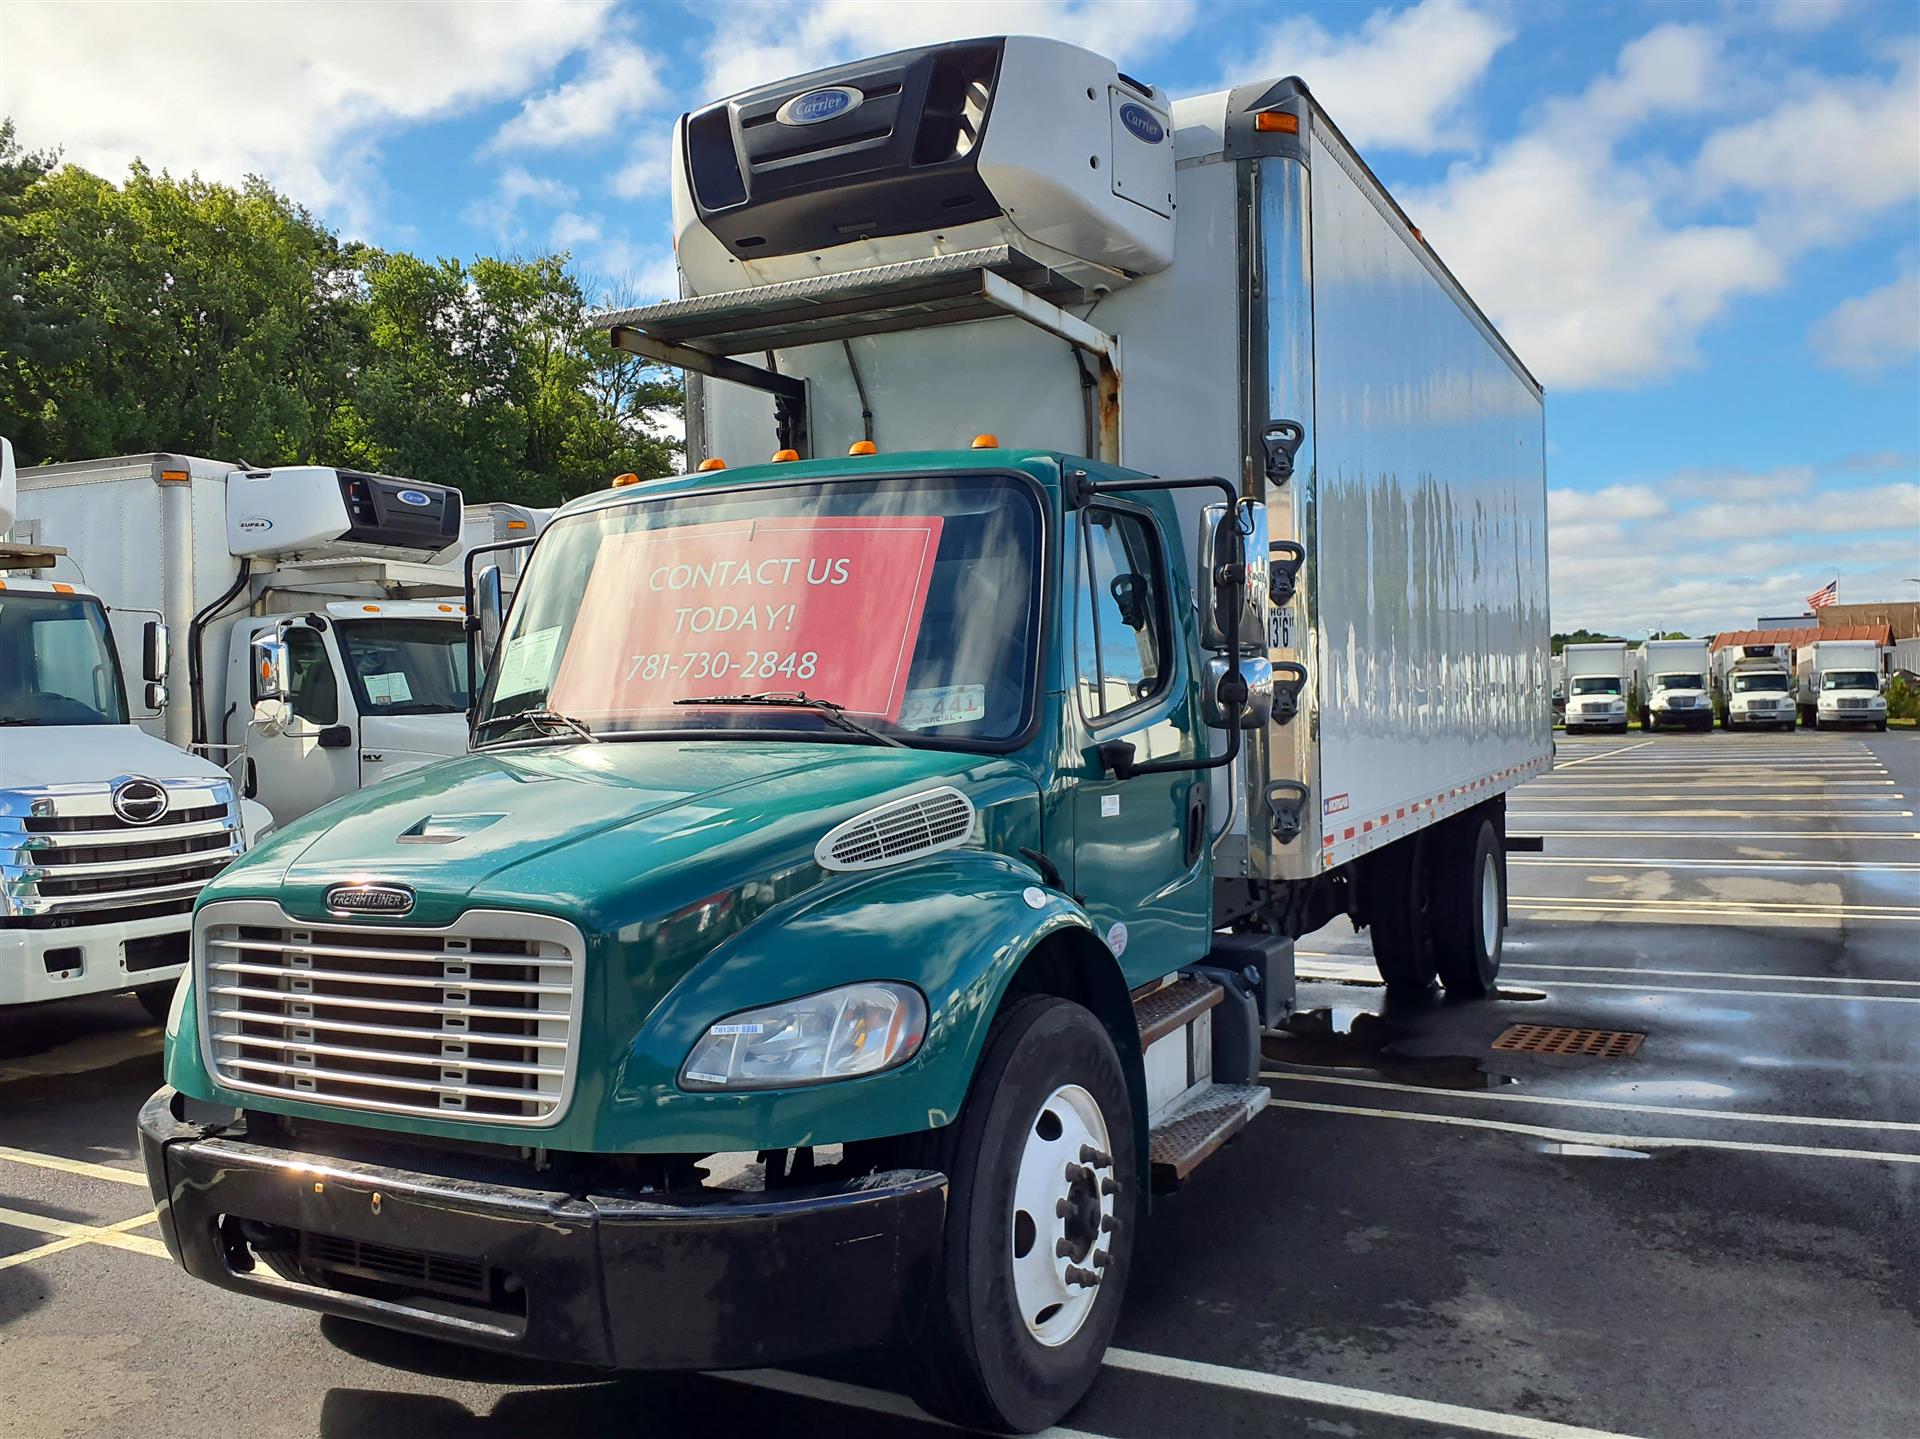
[
  {"x": 1220, "y": 687},
  {"x": 1225, "y": 540}
]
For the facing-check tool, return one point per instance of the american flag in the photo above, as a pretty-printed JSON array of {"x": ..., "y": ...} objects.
[{"x": 1827, "y": 594}]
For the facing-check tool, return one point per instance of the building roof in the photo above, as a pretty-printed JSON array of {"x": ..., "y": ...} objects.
[
  {"x": 1902, "y": 616},
  {"x": 1880, "y": 634}
]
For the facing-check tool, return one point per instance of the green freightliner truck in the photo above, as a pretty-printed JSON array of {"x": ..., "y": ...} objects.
[{"x": 874, "y": 869}]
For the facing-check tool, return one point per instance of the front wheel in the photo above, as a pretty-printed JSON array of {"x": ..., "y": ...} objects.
[{"x": 1041, "y": 1215}]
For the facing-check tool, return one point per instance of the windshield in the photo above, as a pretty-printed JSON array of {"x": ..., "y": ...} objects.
[
  {"x": 1774, "y": 683},
  {"x": 1596, "y": 685},
  {"x": 57, "y": 662},
  {"x": 1850, "y": 680},
  {"x": 406, "y": 666},
  {"x": 1678, "y": 682},
  {"x": 909, "y": 603}
]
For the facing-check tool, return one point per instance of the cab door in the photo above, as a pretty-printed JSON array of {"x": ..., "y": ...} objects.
[
  {"x": 314, "y": 758},
  {"x": 1140, "y": 855}
]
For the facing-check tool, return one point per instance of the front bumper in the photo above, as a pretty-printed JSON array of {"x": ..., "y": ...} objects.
[
  {"x": 99, "y": 958},
  {"x": 684, "y": 1280}
]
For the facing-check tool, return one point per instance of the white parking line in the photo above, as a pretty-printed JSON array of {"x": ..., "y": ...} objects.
[
  {"x": 1710, "y": 973},
  {"x": 1339, "y": 1396},
  {"x": 1521, "y": 808},
  {"x": 1905, "y": 836},
  {"x": 1362, "y": 972},
  {"x": 1605, "y": 1141},
  {"x": 1589, "y": 759},
  {"x": 1730, "y": 906},
  {"x": 73, "y": 1166},
  {"x": 1866, "y": 866},
  {"x": 1805, "y": 1121}
]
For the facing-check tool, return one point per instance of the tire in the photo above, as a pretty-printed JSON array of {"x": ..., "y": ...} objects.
[
  {"x": 156, "y": 999},
  {"x": 1470, "y": 890},
  {"x": 983, "y": 1362},
  {"x": 1400, "y": 915}
]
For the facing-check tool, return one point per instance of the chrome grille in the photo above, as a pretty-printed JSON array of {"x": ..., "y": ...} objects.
[
  {"x": 475, "y": 1021},
  {"x": 68, "y": 858},
  {"x": 906, "y": 829},
  {"x": 1850, "y": 704}
]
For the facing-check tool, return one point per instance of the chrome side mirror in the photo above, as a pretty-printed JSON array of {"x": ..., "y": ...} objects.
[
  {"x": 490, "y": 612},
  {"x": 270, "y": 669},
  {"x": 1256, "y": 711},
  {"x": 153, "y": 654},
  {"x": 1218, "y": 548}
]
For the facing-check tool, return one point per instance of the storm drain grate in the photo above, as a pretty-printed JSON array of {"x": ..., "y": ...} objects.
[{"x": 1559, "y": 1039}]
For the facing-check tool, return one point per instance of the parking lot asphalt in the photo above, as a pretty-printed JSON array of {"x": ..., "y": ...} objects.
[{"x": 1423, "y": 1236}]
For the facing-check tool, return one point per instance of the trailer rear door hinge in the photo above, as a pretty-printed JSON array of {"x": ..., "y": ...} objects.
[
  {"x": 1287, "y": 798},
  {"x": 1289, "y": 678},
  {"x": 1284, "y": 559},
  {"x": 1282, "y": 440}
]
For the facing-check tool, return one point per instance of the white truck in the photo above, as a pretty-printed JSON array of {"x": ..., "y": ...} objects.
[
  {"x": 1838, "y": 682},
  {"x": 1599, "y": 680},
  {"x": 107, "y": 834},
  {"x": 1753, "y": 686},
  {"x": 334, "y": 564},
  {"x": 1673, "y": 684}
]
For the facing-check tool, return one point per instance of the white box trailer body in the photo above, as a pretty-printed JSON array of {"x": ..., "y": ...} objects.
[
  {"x": 1838, "y": 682},
  {"x": 107, "y": 833},
  {"x": 381, "y": 665},
  {"x": 1753, "y": 686},
  {"x": 1297, "y": 291},
  {"x": 1675, "y": 684},
  {"x": 1599, "y": 683},
  {"x": 497, "y": 522}
]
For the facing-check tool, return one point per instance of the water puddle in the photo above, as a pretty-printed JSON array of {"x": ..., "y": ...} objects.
[{"x": 1346, "y": 1037}]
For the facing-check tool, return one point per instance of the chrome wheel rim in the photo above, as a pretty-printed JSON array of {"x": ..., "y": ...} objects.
[
  {"x": 1059, "y": 1237},
  {"x": 1490, "y": 905}
]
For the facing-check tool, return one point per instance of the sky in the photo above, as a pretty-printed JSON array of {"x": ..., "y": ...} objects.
[{"x": 1698, "y": 224}]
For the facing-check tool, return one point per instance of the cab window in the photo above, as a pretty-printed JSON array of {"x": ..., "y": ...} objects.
[{"x": 1122, "y": 644}]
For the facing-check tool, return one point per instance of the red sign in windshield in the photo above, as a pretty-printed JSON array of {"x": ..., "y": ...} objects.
[{"x": 826, "y": 604}]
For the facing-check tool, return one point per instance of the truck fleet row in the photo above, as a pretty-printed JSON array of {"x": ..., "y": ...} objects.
[{"x": 1831, "y": 683}]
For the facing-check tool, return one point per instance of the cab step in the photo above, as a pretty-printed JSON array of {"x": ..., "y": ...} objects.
[{"x": 1197, "y": 1125}]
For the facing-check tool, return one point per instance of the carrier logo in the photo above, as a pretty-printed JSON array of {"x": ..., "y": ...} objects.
[
  {"x": 817, "y": 105},
  {"x": 138, "y": 800},
  {"x": 387, "y": 899},
  {"x": 1142, "y": 124},
  {"x": 414, "y": 498}
]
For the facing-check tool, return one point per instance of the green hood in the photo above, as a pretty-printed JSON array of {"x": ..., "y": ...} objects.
[{"x": 600, "y": 834}]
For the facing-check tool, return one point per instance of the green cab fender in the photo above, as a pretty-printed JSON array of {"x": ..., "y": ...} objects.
[{"x": 962, "y": 926}]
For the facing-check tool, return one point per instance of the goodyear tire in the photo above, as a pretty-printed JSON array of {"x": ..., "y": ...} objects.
[
  {"x": 1044, "y": 1196},
  {"x": 1400, "y": 914},
  {"x": 1470, "y": 890}
]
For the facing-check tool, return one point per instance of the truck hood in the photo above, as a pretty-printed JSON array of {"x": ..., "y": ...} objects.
[
  {"x": 33, "y": 756},
  {"x": 535, "y": 828}
]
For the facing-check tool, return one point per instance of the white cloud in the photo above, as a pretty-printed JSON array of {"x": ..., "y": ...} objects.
[
  {"x": 1635, "y": 557},
  {"x": 1401, "y": 80},
  {"x": 297, "y": 93},
  {"x": 649, "y": 168},
  {"x": 618, "y": 81},
  {"x": 1805, "y": 16},
  {"x": 570, "y": 231},
  {"x": 755, "y": 42},
  {"x": 498, "y": 212},
  {"x": 1871, "y": 332}
]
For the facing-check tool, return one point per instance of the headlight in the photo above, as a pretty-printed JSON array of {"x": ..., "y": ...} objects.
[
  {"x": 1879, "y": 702},
  {"x": 837, "y": 1034}
]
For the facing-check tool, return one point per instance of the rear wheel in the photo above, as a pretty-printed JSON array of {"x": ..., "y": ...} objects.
[
  {"x": 1400, "y": 914},
  {"x": 1041, "y": 1216},
  {"x": 1469, "y": 900}
]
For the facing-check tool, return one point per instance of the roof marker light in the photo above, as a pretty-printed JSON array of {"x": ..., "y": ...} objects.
[
  {"x": 986, "y": 442},
  {"x": 516, "y": 524},
  {"x": 62, "y": 589},
  {"x": 712, "y": 463},
  {"x": 620, "y": 482},
  {"x": 1276, "y": 122},
  {"x": 371, "y": 609},
  {"x": 863, "y": 447},
  {"x": 783, "y": 457}
]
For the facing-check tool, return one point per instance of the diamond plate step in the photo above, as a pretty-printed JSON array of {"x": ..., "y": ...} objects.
[{"x": 1198, "y": 1125}]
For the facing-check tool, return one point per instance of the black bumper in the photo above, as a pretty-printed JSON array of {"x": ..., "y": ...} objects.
[{"x": 701, "y": 1280}]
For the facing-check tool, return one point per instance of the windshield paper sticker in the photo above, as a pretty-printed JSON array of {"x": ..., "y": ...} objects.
[
  {"x": 527, "y": 662},
  {"x": 950, "y": 704},
  {"x": 389, "y": 689},
  {"x": 825, "y": 604}
]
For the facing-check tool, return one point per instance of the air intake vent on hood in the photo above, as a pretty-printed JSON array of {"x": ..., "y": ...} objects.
[{"x": 906, "y": 829}]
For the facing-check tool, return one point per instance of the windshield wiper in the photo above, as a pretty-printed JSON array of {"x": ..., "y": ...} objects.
[
  {"x": 832, "y": 713},
  {"x": 544, "y": 720}
]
